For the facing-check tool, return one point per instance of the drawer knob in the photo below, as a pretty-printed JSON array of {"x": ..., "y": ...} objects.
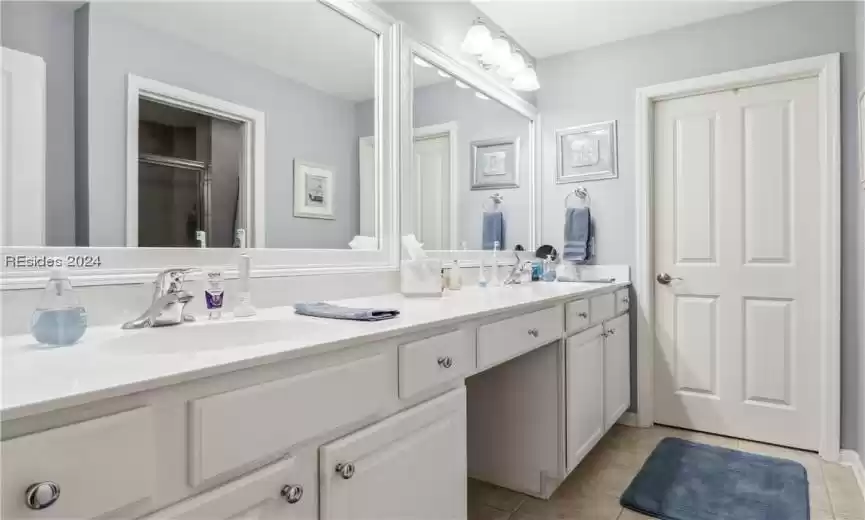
[
  {"x": 612, "y": 331},
  {"x": 292, "y": 493},
  {"x": 446, "y": 362},
  {"x": 533, "y": 333},
  {"x": 345, "y": 470},
  {"x": 41, "y": 495},
  {"x": 583, "y": 315}
]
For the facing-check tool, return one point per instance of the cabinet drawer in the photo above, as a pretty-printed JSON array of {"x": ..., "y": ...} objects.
[
  {"x": 287, "y": 489},
  {"x": 623, "y": 301},
  {"x": 239, "y": 427},
  {"x": 577, "y": 316},
  {"x": 99, "y": 466},
  {"x": 602, "y": 307},
  {"x": 428, "y": 362},
  {"x": 505, "y": 339}
]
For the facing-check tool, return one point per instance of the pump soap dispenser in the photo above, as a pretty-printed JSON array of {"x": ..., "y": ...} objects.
[{"x": 59, "y": 319}]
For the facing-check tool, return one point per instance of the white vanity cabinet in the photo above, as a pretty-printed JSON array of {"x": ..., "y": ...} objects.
[
  {"x": 617, "y": 369},
  {"x": 411, "y": 465},
  {"x": 585, "y": 388}
]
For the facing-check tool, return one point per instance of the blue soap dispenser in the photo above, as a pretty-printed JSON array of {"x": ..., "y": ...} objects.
[{"x": 59, "y": 319}]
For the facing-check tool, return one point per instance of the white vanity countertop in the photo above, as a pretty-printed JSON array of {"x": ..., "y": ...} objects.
[{"x": 110, "y": 362}]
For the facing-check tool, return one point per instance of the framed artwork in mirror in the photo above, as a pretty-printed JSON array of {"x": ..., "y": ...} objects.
[
  {"x": 586, "y": 153},
  {"x": 313, "y": 190},
  {"x": 495, "y": 163}
]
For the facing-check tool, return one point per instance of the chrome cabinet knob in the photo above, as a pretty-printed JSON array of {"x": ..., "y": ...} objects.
[
  {"x": 625, "y": 300},
  {"x": 612, "y": 331},
  {"x": 41, "y": 495},
  {"x": 583, "y": 315},
  {"x": 345, "y": 470},
  {"x": 445, "y": 362},
  {"x": 665, "y": 279},
  {"x": 292, "y": 493},
  {"x": 533, "y": 333}
]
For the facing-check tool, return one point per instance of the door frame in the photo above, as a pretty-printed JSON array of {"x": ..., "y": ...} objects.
[
  {"x": 450, "y": 129},
  {"x": 826, "y": 69},
  {"x": 252, "y": 124}
]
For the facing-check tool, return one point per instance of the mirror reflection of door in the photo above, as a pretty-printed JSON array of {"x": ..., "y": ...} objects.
[
  {"x": 432, "y": 190},
  {"x": 189, "y": 163}
]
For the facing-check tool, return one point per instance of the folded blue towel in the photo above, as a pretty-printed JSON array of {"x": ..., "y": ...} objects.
[
  {"x": 326, "y": 310},
  {"x": 578, "y": 235},
  {"x": 494, "y": 230}
]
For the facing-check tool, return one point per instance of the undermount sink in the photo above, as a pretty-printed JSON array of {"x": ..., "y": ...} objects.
[{"x": 200, "y": 336}]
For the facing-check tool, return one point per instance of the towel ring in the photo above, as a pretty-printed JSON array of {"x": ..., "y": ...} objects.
[
  {"x": 582, "y": 194},
  {"x": 497, "y": 200}
]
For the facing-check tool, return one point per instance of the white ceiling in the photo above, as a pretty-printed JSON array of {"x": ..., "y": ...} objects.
[
  {"x": 548, "y": 27},
  {"x": 304, "y": 41}
]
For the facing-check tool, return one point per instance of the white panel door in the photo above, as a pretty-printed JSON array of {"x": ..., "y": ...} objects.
[
  {"x": 585, "y": 398},
  {"x": 409, "y": 466},
  {"x": 22, "y": 127},
  {"x": 737, "y": 227},
  {"x": 432, "y": 191}
]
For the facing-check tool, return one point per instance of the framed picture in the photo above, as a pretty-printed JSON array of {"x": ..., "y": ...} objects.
[
  {"x": 313, "y": 190},
  {"x": 586, "y": 153},
  {"x": 495, "y": 163}
]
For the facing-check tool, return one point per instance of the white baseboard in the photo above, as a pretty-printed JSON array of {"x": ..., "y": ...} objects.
[
  {"x": 628, "y": 419},
  {"x": 852, "y": 459}
]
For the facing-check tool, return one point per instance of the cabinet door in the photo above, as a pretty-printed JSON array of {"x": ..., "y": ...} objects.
[
  {"x": 284, "y": 490},
  {"x": 617, "y": 369},
  {"x": 585, "y": 400},
  {"x": 409, "y": 466}
]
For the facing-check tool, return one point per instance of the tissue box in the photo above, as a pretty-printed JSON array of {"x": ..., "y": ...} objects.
[{"x": 421, "y": 277}]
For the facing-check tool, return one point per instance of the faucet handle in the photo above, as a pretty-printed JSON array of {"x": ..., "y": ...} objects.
[{"x": 171, "y": 280}]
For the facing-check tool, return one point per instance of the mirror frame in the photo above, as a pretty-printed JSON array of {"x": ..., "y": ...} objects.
[
  {"x": 483, "y": 82},
  {"x": 137, "y": 265}
]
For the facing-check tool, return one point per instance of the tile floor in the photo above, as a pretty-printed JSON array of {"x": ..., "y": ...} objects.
[{"x": 592, "y": 491}]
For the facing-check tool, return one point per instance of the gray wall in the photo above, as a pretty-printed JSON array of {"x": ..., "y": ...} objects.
[
  {"x": 599, "y": 84},
  {"x": 301, "y": 123},
  {"x": 46, "y": 29}
]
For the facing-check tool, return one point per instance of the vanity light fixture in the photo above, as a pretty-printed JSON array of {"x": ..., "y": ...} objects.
[
  {"x": 478, "y": 39},
  {"x": 501, "y": 55},
  {"x": 481, "y": 95},
  {"x": 526, "y": 80},
  {"x": 422, "y": 63}
]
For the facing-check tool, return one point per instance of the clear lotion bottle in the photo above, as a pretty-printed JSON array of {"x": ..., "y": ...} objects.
[{"x": 59, "y": 319}]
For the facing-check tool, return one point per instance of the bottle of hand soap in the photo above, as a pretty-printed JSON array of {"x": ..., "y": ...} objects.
[{"x": 59, "y": 319}]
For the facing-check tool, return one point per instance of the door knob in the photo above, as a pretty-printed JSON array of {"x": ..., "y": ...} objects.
[{"x": 665, "y": 279}]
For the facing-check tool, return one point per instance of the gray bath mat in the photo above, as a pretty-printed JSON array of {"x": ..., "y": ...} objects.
[{"x": 684, "y": 480}]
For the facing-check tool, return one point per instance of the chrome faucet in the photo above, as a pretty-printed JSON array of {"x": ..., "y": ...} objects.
[
  {"x": 169, "y": 301},
  {"x": 516, "y": 274}
]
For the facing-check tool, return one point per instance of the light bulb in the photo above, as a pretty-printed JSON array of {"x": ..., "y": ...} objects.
[
  {"x": 480, "y": 95},
  {"x": 442, "y": 73},
  {"x": 477, "y": 40},
  {"x": 460, "y": 84},
  {"x": 527, "y": 80},
  {"x": 422, "y": 63},
  {"x": 498, "y": 53},
  {"x": 515, "y": 64}
]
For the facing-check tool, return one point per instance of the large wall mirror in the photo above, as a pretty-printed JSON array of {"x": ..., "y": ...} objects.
[
  {"x": 469, "y": 180},
  {"x": 217, "y": 124}
]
